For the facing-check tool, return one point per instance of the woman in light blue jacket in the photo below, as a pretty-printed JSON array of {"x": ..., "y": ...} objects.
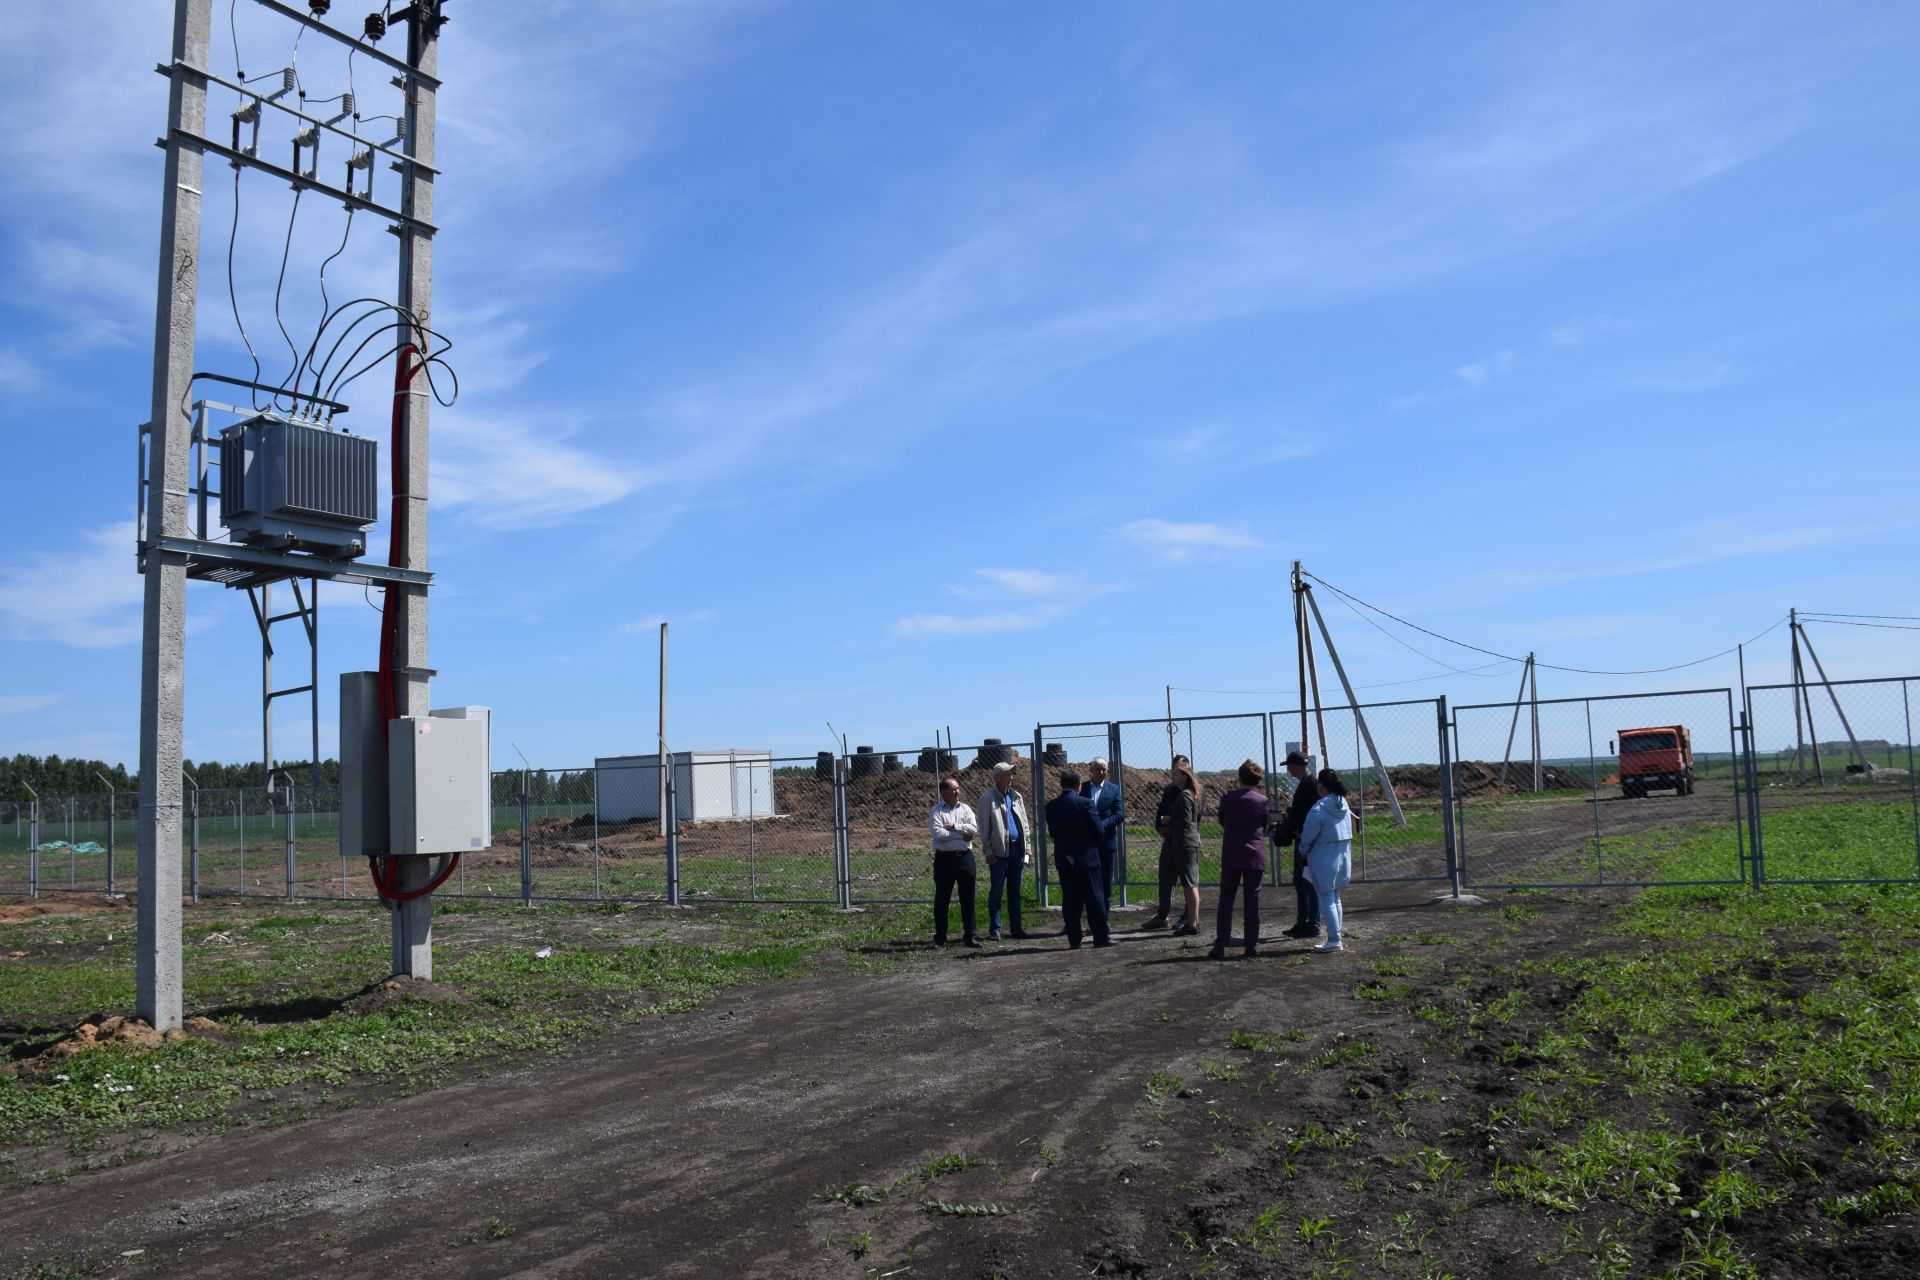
[{"x": 1326, "y": 841}]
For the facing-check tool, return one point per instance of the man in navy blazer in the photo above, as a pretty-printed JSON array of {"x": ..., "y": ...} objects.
[
  {"x": 1111, "y": 814},
  {"x": 1074, "y": 834}
]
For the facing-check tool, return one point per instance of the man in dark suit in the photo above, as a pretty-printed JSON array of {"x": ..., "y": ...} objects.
[
  {"x": 1306, "y": 917},
  {"x": 1110, "y": 812},
  {"x": 1075, "y": 836}
]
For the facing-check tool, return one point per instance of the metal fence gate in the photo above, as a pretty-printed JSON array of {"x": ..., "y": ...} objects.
[
  {"x": 1836, "y": 795},
  {"x": 1575, "y": 820}
]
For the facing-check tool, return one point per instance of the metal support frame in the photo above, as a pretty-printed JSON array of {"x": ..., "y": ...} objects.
[{"x": 306, "y": 612}]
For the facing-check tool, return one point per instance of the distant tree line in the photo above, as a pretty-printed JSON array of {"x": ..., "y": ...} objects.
[{"x": 61, "y": 775}]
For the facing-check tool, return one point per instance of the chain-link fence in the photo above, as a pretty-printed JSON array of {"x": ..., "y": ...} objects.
[
  {"x": 1811, "y": 783},
  {"x": 1392, "y": 756},
  {"x": 1632, "y": 789},
  {"x": 1835, "y": 789},
  {"x": 1143, "y": 755},
  {"x": 16, "y": 827}
]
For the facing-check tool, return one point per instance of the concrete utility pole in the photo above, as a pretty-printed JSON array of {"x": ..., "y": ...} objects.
[
  {"x": 413, "y": 919},
  {"x": 157, "y": 978}
]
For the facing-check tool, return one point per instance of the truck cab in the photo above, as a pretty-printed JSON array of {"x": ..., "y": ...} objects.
[{"x": 1655, "y": 758}]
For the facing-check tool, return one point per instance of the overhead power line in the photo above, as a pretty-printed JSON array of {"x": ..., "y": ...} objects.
[
  {"x": 1494, "y": 653},
  {"x": 1879, "y": 626}
]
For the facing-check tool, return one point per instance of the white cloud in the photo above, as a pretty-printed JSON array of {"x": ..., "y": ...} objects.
[
  {"x": 650, "y": 624},
  {"x": 1575, "y": 330},
  {"x": 977, "y": 624},
  {"x": 1022, "y": 582},
  {"x": 88, "y": 596},
  {"x": 1171, "y": 540},
  {"x": 15, "y": 703},
  {"x": 507, "y": 475},
  {"x": 1478, "y": 372},
  {"x": 17, "y": 372}
]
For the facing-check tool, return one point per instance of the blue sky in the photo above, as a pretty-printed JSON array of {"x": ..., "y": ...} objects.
[{"x": 974, "y": 365}]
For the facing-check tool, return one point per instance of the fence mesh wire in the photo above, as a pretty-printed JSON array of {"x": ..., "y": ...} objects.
[
  {"x": 1215, "y": 746},
  {"x": 1389, "y": 756},
  {"x": 1836, "y": 792},
  {"x": 1636, "y": 789},
  {"x": 752, "y": 827}
]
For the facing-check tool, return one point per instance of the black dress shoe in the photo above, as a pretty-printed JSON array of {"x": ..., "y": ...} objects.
[
  {"x": 1218, "y": 953},
  {"x": 1103, "y": 942},
  {"x": 1073, "y": 946},
  {"x": 970, "y": 942},
  {"x": 1250, "y": 952},
  {"x": 1020, "y": 935},
  {"x": 1158, "y": 922},
  {"x": 1185, "y": 931}
]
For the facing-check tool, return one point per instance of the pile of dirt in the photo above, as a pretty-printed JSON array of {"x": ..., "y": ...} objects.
[
  {"x": 384, "y": 996},
  {"x": 104, "y": 1029}
]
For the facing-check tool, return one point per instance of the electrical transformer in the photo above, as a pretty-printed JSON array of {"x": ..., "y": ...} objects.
[{"x": 287, "y": 485}]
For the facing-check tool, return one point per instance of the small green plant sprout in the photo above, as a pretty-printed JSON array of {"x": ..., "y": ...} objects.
[
  {"x": 1162, "y": 1085},
  {"x": 855, "y": 1195},
  {"x": 1253, "y": 1042},
  {"x": 862, "y": 1244},
  {"x": 950, "y": 1162},
  {"x": 498, "y": 1230},
  {"x": 1312, "y": 1229},
  {"x": 944, "y": 1209}
]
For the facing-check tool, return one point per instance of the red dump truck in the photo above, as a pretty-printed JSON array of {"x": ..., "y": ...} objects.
[{"x": 1656, "y": 758}]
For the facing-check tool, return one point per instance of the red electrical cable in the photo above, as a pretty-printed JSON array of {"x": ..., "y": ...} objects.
[{"x": 403, "y": 375}]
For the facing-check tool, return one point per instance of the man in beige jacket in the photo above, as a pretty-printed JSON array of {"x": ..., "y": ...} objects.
[{"x": 1002, "y": 813}]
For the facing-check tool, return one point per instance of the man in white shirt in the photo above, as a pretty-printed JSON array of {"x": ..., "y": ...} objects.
[
  {"x": 954, "y": 829},
  {"x": 1003, "y": 839}
]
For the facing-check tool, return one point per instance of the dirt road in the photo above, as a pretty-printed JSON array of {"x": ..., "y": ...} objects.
[{"x": 699, "y": 1145}]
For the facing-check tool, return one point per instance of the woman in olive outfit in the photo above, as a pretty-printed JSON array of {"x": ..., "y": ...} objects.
[{"x": 1179, "y": 822}]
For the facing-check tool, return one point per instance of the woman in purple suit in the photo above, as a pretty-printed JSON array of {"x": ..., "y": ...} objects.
[{"x": 1243, "y": 858}]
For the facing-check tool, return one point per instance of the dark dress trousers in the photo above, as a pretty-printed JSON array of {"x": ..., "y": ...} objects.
[
  {"x": 1109, "y": 814},
  {"x": 1074, "y": 834},
  {"x": 1306, "y": 902}
]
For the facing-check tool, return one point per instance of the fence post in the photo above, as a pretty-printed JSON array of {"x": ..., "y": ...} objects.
[
  {"x": 1120, "y": 843},
  {"x": 1037, "y": 838},
  {"x": 112, "y": 831},
  {"x": 526, "y": 844},
  {"x": 292, "y": 840},
  {"x": 33, "y": 844},
  {"x": 842, "y": 838},
  {"x": 673, "y": 837},
  {"x": 1447, "y": 798},
  {"x": 193, "y": 845},
  {"x": 1758, "y": 859}
]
